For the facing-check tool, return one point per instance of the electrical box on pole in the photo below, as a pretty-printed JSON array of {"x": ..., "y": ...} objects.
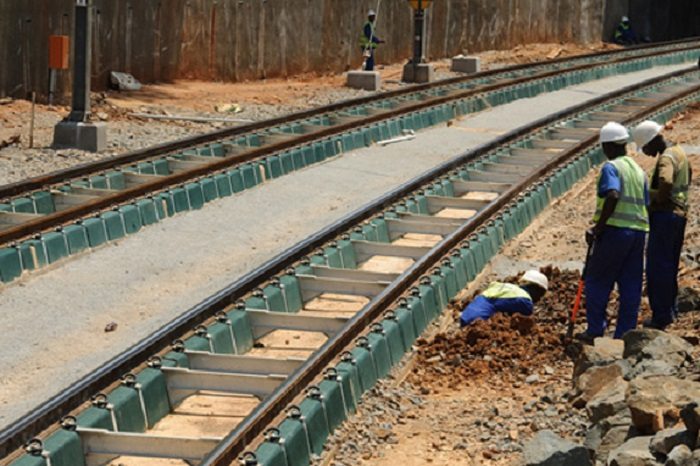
[
  {"x": 77, "y": 131},
  {"x": 420, "y": 4}
]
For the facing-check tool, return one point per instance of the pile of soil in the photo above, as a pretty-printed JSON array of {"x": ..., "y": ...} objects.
[{"x": 509, "y": 347}]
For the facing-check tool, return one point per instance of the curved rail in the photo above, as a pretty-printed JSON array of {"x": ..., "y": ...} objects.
[
  {"x": 73, "y": 203},
  {"x": 570, "y": 132}
]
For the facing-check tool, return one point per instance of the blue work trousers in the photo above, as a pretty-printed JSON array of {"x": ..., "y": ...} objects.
[
  {"x": 617, "y": 258},
  {"x": 369, "y": 64},
  {"x": 663, "y": 256}
]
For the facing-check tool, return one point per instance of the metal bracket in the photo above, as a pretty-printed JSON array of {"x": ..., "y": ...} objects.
[
  {"x": 497, "y": 167},
  {"x": 102, "y": 446},
  {"x": 353, "y": 274},
  {"x": 16, "y": 218},
  {"x": 411, "y": 217},
  {"x": 478, "y": 175},
  {"x": 437, "y": 203},
  {"x": 264, "y": 322},
  {"x": 182, "y": 383},
  {"x": 232, "y": 363},
  {"x": 312, "y": 287},
  {"x": 366, "y": 249},
  {"x": 463, "y": 187},
  {"x": 398, "y": 228}
]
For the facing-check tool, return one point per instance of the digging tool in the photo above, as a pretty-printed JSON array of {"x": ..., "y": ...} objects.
[{"x": 579, "y": 293}]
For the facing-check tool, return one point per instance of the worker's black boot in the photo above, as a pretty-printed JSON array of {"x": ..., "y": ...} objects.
[{"x": 585, "y": 338}]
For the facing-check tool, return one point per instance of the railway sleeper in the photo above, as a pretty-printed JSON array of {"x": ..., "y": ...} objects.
[
  {"x": 275, "y": 166},
  {"x": 326, "y": 404}
]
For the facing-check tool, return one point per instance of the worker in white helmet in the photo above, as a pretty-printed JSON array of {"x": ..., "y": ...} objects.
[
  {"x": 617, "y": 238},
  {"x": 667, "y": 219},
  {"x": 369, "y": 40},
  {"x": 624, "y": 34},
  {"x": 507, "y": 298}
]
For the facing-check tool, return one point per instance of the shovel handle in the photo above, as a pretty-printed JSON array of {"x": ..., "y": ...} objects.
[
  {"x": 574, "y": 310},
  {"x": 577, "y": 301},
  {"x": 579, "y": 294}
]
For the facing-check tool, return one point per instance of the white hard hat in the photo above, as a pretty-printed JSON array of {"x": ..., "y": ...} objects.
[
  {"x": 625, "y": 19},
  {"x": 645, "y": 132},
  {"x": 371, "y": 13},
  {"x": 533, "y": 277},
  {"x": 614, "y": 132}
]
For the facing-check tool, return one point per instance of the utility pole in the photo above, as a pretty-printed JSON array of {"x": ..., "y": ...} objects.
[
  {"x": 419, "y": 32},
  {"x": 82, "y": 60},
  {"x": 417, "y": 70},
  {"x": 76, "y": 131}
]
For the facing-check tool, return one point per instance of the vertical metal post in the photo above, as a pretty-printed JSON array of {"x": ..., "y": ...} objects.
[
  {"x": 31, "y": 122},
  {"x": 81, "y": 62},
  {"x": 419, "y": 29}
]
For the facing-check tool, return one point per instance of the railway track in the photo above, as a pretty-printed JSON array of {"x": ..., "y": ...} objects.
[
  {"x": 45, "y": 219},
  {"x": 264, "y": 370}
]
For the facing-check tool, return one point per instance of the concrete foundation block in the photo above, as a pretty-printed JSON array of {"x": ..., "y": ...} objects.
[
  {"x": 469, "y": 65},
  {"x": 85, "y": 136},
  {"x": 367, "y": 80},
  {"x": 420, "y": 73}
]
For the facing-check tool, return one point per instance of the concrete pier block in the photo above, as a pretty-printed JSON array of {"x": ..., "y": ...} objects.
[
  {"x": 85, "y": 136},
  {"x": 420, "y": 73},
  {"x": 367, "y": 80},
  {"x": 469, "y": 65}
]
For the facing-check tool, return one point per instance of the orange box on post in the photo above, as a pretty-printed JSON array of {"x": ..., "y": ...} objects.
[{"x": 58, "y": 52}]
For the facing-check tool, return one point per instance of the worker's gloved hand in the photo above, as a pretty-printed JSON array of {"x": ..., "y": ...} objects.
[
  {"x": 593, "y": 234},
  {"x": 590, "y": 236}
]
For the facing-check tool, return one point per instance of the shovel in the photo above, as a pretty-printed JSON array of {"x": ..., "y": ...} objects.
[{"x": 579, "y": 294}]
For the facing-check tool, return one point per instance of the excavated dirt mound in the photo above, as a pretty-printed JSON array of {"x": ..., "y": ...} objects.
[{"x": 505, "y": 346}]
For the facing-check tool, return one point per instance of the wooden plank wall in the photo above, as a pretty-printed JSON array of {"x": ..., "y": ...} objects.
[{"x": 232, "y": 40}]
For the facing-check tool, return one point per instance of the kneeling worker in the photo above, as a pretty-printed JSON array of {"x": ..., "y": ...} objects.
[{"x": 507, "y": 298}]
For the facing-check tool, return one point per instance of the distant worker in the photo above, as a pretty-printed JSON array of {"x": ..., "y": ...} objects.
[
  {"x": 667, "y": 219},
  {"x": 369, "y": 40},
  {"x": 617, "y": 239},
  {"x": 507, "y": 298},
  {"x": 624, "y": 34}
]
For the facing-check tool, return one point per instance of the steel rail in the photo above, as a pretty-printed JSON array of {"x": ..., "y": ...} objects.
[
  {"x": 246, "y": 432},
  {"x": 62, "y": 217},
  {"x": 32, "y": 184},
  {"x": 44, "y": 415}
]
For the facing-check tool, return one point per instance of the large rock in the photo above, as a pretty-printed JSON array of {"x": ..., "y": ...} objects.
[
  {"x": 656, "y": 345},
  {"x": 680, "y": 456},
  {"x": 595, "y": 379},
  {"x": 691, "y": 418},
  {"x": 548, "y": 449},
  {"x": 696, "y": 458},
  {"x": 612, "y": 440},
  {"x": 634, "y": 452},
  {"x": 666, "y": 440},
  {"x": 603, "y": 352},
  {"x": 609, "y": 401},
  {"x": 655, "y": 402},
  {"x": 649, "y": 367},
  {"x": 608, "y": 434},
  {"x": 688, "y": 300}
]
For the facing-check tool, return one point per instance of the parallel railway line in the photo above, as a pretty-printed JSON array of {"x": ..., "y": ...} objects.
[
  {"x": 45, "y": 219},
  {"x": 354, "y": 296}
]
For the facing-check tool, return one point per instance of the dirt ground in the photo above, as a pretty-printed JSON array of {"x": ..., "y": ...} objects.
[
  {"x": 473, "y": 396},
  {"x": 239, "y": 102}
]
